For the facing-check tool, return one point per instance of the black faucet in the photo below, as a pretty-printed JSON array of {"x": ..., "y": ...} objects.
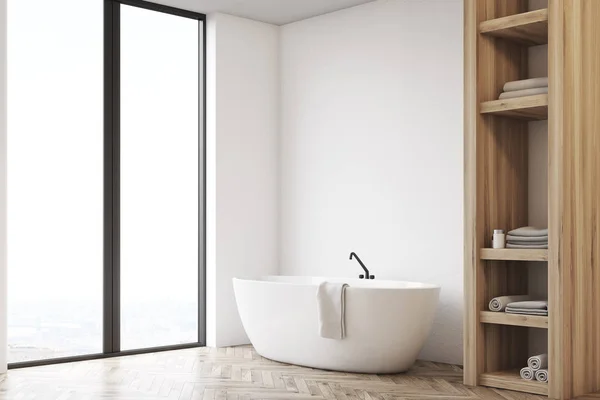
[{"x": 361, "y": 276}]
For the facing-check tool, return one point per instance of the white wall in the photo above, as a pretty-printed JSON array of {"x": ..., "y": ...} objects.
[
  {"x": 3, "y": 296},
  {"x": 372, "y": 150},
  {"x": 242, "y": 141}
]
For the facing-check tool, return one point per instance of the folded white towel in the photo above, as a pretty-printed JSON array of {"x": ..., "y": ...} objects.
[
  {"x": 526, "y": 311},
  {"x": 529, "y": 231},
  {"x": 538, "y": 362},
  {"x": 528, "y": 308},
  {"x": 331, "y": 304},
  {"x": 542, "y": 375},
  {"x": 526, "y": 239},
  {"x": 530, "y": 304},
  {"x": 526, "y": 84},
  {"x": 523, "y": 93},
  {"x": 526, "y": 246},
  {"x": 527, "y": 374},
  {"x": 498, "y": 304}
]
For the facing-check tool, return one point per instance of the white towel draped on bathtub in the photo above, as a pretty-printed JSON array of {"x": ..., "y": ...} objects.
[{"x": 332, "y": 308}]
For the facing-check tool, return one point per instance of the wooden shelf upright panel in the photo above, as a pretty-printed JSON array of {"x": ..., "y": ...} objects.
[
  {"x": 496, "y": 189},
  {"x": 574, "y": 202}
]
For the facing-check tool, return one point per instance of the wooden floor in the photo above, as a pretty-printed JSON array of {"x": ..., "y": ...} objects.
[{"x": 232, "y": 373}]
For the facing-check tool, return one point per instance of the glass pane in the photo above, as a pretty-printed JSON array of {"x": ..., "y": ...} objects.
[
  {"x": 55, "y": 178},
  {"x": 159, "y": 179}
]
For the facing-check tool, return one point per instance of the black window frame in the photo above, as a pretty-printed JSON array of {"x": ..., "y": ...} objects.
[{"x": 111, "y": 346}]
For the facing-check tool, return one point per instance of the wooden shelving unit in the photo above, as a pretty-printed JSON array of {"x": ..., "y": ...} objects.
[
  {"x": 514, "y": 254},
  {"x": 496, "y": 40},
  {"x": 502, "y": 318},
  {"x": 531, "y": 108},
  {"x": 530, "y": 28},
  {"x": 511, "y": 380}
]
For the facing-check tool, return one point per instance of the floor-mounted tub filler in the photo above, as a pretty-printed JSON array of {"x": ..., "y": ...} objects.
[{"x": 386, "y": 322}]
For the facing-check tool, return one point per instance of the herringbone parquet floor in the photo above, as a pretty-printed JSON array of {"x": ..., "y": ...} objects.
[{"x": 232, "y": 373}]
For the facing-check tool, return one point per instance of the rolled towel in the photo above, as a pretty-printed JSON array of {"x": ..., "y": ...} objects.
[
  {"x": 526, "y": 239},
  {"x": 525, "y": 84},
  {"x": 526, "y": 246},
  {"x": 498, "y": 304},
  {"x": 529, "y": 231},
  {"x": 527, "y": 374},
  {"x": 538, "y": 362},
  {"x": 523, "y": 93},
  {"x": 542, "y": 375}
]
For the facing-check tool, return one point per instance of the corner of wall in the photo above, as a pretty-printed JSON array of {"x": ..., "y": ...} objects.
[
  {"x": 279, "y": 177},
  {"x": 241, "y": 143},
  {"x": 211, "y": 178},
  {"x": 3, "y": 129}
]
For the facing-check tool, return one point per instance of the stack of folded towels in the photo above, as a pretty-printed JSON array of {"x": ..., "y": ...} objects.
[
  {"x": 536, "y": 369},
  {"x": 526, "y": 87},
  {"x": 527, "y": 238},
  {"x": 521, "y": 304}
]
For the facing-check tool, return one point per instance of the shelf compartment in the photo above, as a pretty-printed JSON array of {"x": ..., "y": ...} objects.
[
  {"x": 531, "y": 108},
  {"x": 514, "y": 254},
  {"x": 511, "y": 380},
  {"x": 530, "y": 28},
  {"x": 502, "y": 318}
]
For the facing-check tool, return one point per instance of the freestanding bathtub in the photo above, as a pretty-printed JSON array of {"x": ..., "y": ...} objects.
[{"x": 387, "y": 322}]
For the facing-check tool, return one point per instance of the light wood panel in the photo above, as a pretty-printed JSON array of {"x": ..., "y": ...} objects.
[
  {"x": 233, "y": 373},
  {"x": 530, "y": 108},
  {"x": 559, "y": 385},
  {"x": 530, "y": 28},
  {"x": 514, "y": 254},
  {"x": 502, "y": 318},
  {"x": 574, "y": 220},
  {"x": 496, "y": 192},
  {"x": 512, "y": 380},
  {"x": 472, "y": 335}
]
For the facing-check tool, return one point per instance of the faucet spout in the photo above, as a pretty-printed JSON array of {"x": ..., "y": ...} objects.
[{"x": 366, "y": 275}]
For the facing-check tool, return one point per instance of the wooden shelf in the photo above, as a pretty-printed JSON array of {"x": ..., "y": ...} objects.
[
  {"x": 530, "y": 28},
  {"x": 502, "y": 318},
  {"x": 511, "y": 380},
  {"x": 514, "y": 254},
  {"x": 532, "y": 108}
]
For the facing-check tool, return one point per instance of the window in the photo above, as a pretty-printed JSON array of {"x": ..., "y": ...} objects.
[
  {"x": 55, "y": 177},
  {"x": 105, "y": 188},
  {"x": 159, "y": 179}
]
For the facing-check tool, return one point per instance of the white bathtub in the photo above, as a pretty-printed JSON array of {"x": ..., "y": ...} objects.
[{"x": 387, "y": 322}]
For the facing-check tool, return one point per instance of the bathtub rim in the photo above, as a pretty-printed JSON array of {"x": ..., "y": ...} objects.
[{"x": 421, "y": 286}]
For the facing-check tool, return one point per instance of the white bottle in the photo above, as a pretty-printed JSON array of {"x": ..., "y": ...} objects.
[{"x": 499, "y": 239}]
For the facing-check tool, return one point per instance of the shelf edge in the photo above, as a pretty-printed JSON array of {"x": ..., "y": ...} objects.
[
  {"x": 496, "y": 24},
  {"x": 512, "y": 381},
  {"x": 502, "y": 318},
  {"x": 514, "y": 104},
  {"x": 513, "y": 254}
]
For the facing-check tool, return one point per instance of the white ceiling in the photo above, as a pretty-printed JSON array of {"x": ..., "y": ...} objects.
[{"x": 278, "y": 12}]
